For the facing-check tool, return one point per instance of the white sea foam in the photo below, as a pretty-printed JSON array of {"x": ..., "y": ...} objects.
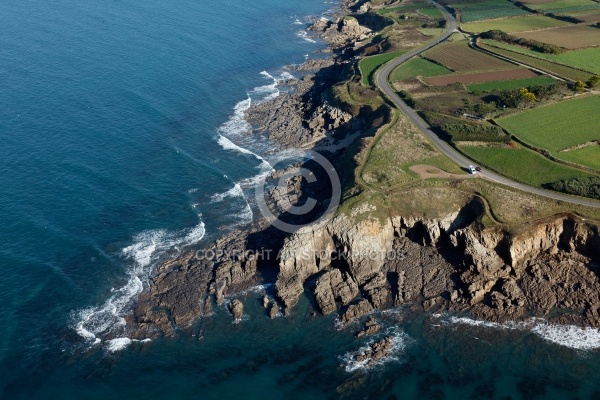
[
  {"x": 229, "y": 145},
  {"x": 257, "y": 179},
  {"x": 400, "y": 341},
  {"x": 575, "y": 337},
  {"x": 148, "y": 246},
  {"x": 122, "y": 343},
  {"x": 257, "y": 289},
  {"x": 237, "y": 124},
  {"x": 270, "y": 91},
  {"x": 571, "y": 336},
  {"x": 304, "y": 35},
  {"x": 245, "y": 215},
  {"x": 235, "y": 191},
  {"x": 118, "y": 344},
  {"x": 298, "y": 22}
]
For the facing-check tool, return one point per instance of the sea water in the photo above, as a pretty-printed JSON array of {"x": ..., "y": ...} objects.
[{"x": 123, "y": 141}]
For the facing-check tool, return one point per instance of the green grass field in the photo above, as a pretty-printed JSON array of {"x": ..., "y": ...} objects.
[
  {"x": 557, "y": 126},
  {"x": 588, "y": 156},
  {"x": 510, "y": 84},
  {"x": 418, "y": 67},
  {"x": 368, "y": 65},
  {"x": 557, "y": 69},
  {"x": 431, "y": 12},
  {"x": 401, "y": 9},
  {"x": 517, "y": 24},
  {"x": 522, "y": 165},
  {"x": 487, "y": 10},
  {"x": 563, "y": 4},
  {"x": 586, "y": 59}
]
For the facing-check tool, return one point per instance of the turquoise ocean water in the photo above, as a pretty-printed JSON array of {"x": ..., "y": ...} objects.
[{"x": 117, "y": 129}]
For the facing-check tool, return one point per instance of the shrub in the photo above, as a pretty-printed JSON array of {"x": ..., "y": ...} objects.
[
  {"x": 593, "y": 81},
  {"x": 475, "y": 132},
  {"x": 586, "y": 187}
]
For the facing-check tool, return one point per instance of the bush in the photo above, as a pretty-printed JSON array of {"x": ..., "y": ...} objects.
[
  {"x": 593, "y": 81},
  {"x": 475, "y": 133},
  {"x": 585, "y": 187},
  {"x": 517, "y": 98}
]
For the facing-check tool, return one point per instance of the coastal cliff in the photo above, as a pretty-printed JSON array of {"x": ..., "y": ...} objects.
[
  {"x": 546, "y": 269},
  {"x": 449, "y": 264},
  {"x": 356, "y": 262}
]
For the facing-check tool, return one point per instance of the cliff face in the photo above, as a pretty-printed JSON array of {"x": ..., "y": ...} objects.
[
  {"x": 447, "y": 263},
  {"x": 549, "y": 268}
]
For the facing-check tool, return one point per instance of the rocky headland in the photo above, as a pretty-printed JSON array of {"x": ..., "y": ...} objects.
[{"x": 358, "y": 262}]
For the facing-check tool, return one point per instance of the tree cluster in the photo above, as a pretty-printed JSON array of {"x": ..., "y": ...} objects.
[
  {"x": 586, "y": 187},
  {"x": 524, "y": 96}
]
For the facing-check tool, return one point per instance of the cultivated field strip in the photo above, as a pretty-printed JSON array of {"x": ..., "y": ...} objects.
[
  {"x": 459, "y": 57},
  {"x": 480, "y": 77}
]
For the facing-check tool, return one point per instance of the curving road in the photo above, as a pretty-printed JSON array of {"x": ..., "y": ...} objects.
[{"x": 382, "y": 82}]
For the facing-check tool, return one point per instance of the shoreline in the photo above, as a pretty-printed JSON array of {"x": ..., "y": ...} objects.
[{"x": 195, "y": 286}]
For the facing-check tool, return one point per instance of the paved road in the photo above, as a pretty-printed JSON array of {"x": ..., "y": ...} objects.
[{"x": 382, "y": 81}]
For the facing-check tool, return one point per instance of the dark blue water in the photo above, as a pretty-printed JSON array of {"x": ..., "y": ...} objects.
[{"x": 117, "y": 126}]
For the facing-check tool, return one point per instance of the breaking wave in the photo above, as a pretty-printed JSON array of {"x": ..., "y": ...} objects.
[
  {"x": 119, "y": 344},
  {"x": 571, "y": 336},
  {"x": 304, "y": 35},
  {"x": 147, "y": 248},
  {"x": 400, "y": 341}
]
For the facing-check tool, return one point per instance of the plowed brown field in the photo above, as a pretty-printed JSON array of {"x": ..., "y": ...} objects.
[
  {"x": 461, "y": 58},
  {"x": 569, "y": 37},
  {"x": 480, "y": 77}
]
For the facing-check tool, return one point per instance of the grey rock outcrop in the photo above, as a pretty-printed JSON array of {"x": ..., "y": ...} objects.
[
  {"x": 341, "y": 32},
  {"x": 236, "y": 308}
]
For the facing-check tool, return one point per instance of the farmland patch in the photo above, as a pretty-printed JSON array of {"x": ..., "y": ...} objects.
[
  {"x": 517, "y": 24},
  {"x": 460, "y": 57},
  {"x": 589, "y": 156},
  {"x": 557, "y": 126},
  {"x": 585, "y": 59},
  {"x": 511, "y": 84},
  {"x": 487, "y": 10},
  {"x": 568, "y": 37},
  {"x": 523, "y": 164},
  {"x": 586, "y": 17},
  {"x": 418, "y": 67},
  {"x": 481, "y": 77}
]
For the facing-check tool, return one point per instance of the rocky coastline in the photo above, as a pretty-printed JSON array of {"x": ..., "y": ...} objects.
[{"x": 356, "y": 263}]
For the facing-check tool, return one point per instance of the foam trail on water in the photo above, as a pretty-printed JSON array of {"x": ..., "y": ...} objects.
[
  {"x": 304, "y": 35},
  {"x": 237, "y": 124},
  {"x": 147, "y": 248},
  {"x": 571, "y": 336},
  {"x": 271, "y": 91},
  {"x": 245, "y": 214},
  {"x": 122, "y": 343},
  {"x": 574, "y": 337},
  {"x": 229, "y": 145},
  {"x": 235, "y": 191}
]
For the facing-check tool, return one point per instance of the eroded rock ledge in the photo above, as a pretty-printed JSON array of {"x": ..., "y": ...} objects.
[
  {"x": 549, "y": 268},
  {"x": 446, "y": 264}
]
